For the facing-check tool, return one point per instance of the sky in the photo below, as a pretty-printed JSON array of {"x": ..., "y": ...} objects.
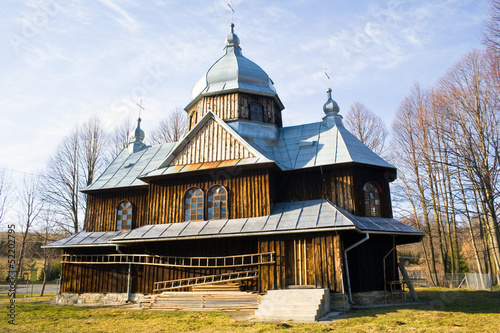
[{"x": 64, "y": 61}]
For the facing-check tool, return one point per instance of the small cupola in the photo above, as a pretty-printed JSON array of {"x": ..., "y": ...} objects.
[
  {"x": 137, "y": 140},
  {"x": 232, "y": 39},
  {"x": 331, "y": 109}
]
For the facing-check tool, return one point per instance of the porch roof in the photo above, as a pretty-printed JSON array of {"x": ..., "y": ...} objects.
[{"x": 289, "y": 217}]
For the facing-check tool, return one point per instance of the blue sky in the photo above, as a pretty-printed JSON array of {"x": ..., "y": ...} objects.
[{"x": 65, "y": 61}]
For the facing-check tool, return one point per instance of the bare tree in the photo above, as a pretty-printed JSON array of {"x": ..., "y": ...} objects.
[
  {"x": 120, "y": 137},
  {"x": 367, "y": 127},
  {"x": 491, "y": 32},
  {"x": 171, "y": 128},
  {"x": 30, "y": 206},
  {"x": 4, "y": 193},
  {"x": 78, "y": 159},
  {"x": 48, "y": 233},
  {"x": 63, "y": 182},
  {"x": 409, "y": 128},
  {"x": 473, "y": 131},
  {"x": 93, "y": 141}
]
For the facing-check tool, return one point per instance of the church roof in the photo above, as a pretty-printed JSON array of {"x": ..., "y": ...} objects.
[
  {"x": 234, "y": 72},
  {"x": 287, "y": 217},
  {"x": 316, "y": 144},
  {"x": 126, "y": 168},
  {"x": 296, "y": 147}
]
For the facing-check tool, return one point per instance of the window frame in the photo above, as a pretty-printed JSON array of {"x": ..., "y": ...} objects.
[
  {"x": 371, "y": 207},
  {"x": 261, "y": 113},
  {"x": 220, "y": 205},
  {"x": 193, "y": 115},
  {"x": 118, "y": 209},
  {"x": 185, "y": 209}
]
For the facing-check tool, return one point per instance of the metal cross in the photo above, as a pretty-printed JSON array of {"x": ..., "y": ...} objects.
[
  {"x": 327, "y": 77},
  {"x": 140, "y": 108},
  {"x": 230, "y": 5}
]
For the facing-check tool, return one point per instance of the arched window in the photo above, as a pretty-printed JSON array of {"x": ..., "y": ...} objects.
[
  {"x": 217, "y": 202},
  {"x": 256, "y": 111},
  {"x": 193, "y": 204},
  {"x": 124, "y": 216},
  {"x": 372, "y": 200}
]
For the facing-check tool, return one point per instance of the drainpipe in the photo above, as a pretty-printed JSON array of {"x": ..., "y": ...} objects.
[
  {"x": 367, "y": 237},
  {"x": 129, "y": 279}
]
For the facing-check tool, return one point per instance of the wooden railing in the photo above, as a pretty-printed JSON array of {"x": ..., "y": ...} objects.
[
  {"x": 145, "y": 259},
  {"x": 208, "y": 279}
]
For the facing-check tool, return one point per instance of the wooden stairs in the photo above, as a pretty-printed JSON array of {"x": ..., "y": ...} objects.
[{"x": 201, "y": 300}]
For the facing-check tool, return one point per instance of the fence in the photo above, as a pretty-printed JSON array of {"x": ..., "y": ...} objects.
[
  {"x": 461, "y": 280},
  {"x": 469, "y": 281}
]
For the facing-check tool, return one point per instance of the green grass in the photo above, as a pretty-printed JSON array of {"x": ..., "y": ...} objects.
[{"x": 441, "y": 310}]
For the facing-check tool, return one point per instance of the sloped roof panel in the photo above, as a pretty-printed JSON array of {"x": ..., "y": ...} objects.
[
  {"x": 85, "y": 239},
  {"x": 290, "y": 217},
  {"x": 317, "y": 144},
  {"x": 125, "y": 170}
]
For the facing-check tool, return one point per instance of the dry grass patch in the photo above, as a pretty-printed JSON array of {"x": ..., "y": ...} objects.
[{"x": 441, "y": 310}]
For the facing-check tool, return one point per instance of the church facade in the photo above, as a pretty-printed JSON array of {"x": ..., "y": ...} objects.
[{"x": 239, "y": 198}]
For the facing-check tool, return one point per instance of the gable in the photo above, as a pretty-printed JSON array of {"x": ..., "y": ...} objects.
[{"x": 211, "y": 143}]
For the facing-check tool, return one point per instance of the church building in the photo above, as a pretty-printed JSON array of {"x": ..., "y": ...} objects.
[{"x": 240, "y": 199}]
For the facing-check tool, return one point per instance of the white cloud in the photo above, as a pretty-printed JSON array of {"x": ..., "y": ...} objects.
[
  {"x": 91, "y": 56},
  {"x": 123, "y": 18}
]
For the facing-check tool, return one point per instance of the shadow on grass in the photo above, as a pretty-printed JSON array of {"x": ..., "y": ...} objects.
[{"x": 442, "y": 299}]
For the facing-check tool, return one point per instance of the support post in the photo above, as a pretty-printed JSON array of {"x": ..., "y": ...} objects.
[{"x": 129, "y": 282}]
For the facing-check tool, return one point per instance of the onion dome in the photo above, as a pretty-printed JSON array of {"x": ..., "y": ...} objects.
[
  {"x": 137, "y": 140},
  {"x": 233, "y": 72},
  {"x": 139, "y": 133},
  {"x": 331, "y": 107}
]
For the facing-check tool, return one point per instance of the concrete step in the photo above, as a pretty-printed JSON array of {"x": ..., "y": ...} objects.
[
  {"x": 295, "y": 318},
  {"x": 289, "y": 306},
  {"x": 294, "y": 304},
  {"x": 286, "y": 312}
]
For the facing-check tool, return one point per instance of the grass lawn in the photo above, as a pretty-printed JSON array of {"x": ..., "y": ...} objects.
[{"x": 441, "y": 310}]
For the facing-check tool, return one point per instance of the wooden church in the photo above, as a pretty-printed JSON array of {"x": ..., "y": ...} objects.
[{"x": 239, "y": 198}]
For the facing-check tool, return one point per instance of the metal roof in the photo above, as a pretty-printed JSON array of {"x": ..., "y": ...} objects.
[
  {"x": 297, "y": 147},
  {"x": 233, "y": 72},
  {"x": 289, "y": 217},
  {"x": 85, "y": 239},
  {"x": 125, "y": 170},
  {"x": 317, "y": 144}
]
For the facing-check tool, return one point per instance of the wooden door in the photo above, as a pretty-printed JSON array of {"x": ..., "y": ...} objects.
[{"x": 300, "y": 263}]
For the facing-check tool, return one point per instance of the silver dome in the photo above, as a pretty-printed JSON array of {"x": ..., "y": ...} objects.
[
  {"x": 233, "y": 72},
  {"x": 330, "y": 107}
]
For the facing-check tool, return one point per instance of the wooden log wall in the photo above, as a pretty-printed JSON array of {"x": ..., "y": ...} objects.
[
  {"x": 248, "y": 194},
  {"x": 211, "y": 143},
  {"x": 101, "y": 208},
  {"x": 271, "y": 113},
  {"x": 224, "y": 106},
  {"x": 309, "y": 185},
  {"x": 235, "y": 106},
  {"x": 79, "y": 278},
  {"x": 324, "y": 259},
  {"x": 366, "y": 262},
  {"x": 342, "y": 186},
  {"x": 361, "y": 175}
]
